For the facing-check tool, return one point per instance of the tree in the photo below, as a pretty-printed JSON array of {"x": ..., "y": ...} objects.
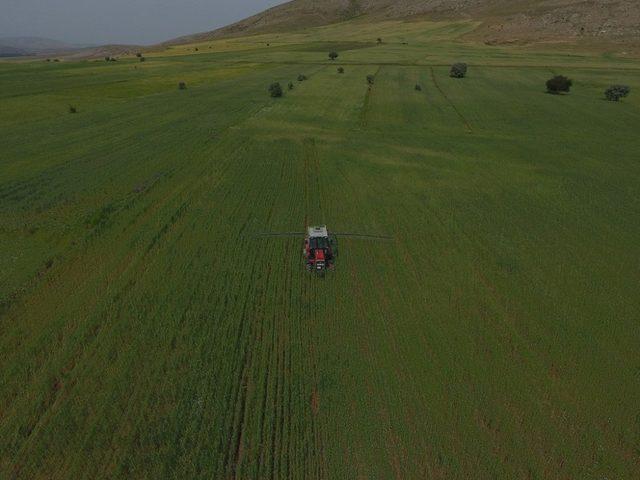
[
  {"x": 333, "y": 55},
  {"x": 275, "y": 90},
  {"x": 458, "y": 70},
  {"x": 182, "y": 86},
  {"x": 290, "y": 85},
  {"x": 418, "y": 87},
  {"x": 142, "y": 59},
  {"x": 302, "y": 78},
  {"x": 615, "y": 92},
  {"x": 370, "y": 79},
  {"x": 559, "y": 84},
  {"x": 139, "y": 55},
  {"x": 340, "y": 70},
  {"x": 72, "y": 109},
  {"x": 379, "y": 40}
]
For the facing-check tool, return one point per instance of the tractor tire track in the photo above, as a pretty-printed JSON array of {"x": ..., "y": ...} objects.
[
  {"x": 231, "y": 452},
  {"x": 465, "y": 122},
  {"x": 312, "y": 188},
  {"x": 305, "y": 189},
  {"x": 234, "y": 453},
  {"x": 367, "y": 100},
  {"x": 314, "y": 398},
  {"x": 270, "y": 331},
  {"x": 260, "y": 324},
  {"x": 277, "y": 349},
  {"x": 287, "y": 401},
  {"x": 313, "y": 409}
]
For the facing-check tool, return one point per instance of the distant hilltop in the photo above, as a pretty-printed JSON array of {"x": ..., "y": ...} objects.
[
  {"x": 6, "y": 51},
  {"x": 38, "y": 46},
  {"x": 502, "y": 21},
  {"x": 19, "y": 46}
]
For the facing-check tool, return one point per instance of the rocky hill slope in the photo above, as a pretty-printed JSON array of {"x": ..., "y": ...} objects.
[{"x": 503, "y": 21}]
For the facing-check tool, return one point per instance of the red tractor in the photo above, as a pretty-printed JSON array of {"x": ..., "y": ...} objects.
[{"x": 321, "y": 247}]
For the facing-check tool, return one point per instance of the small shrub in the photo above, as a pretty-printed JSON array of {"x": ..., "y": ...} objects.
[
  {"x": 275, "y": 90},
  {"x": 107, "y": 59},
  {"x": 379, "y": 40},
  {"x": 72, "y": 109},
  {"x": 196, "y": 49},
  {"x": 418, "y": 88},
  {"x": 559, "y": 84},
  {"x": 615, "y": 92},
  {"x": 370, "y": 79},
  {"x": 302, "y": 78},
  {"x": 142, "y": 59},
  {"x": 290, "y": 85},
  {"x": 458, "y": 70},
  {"x": 139, "y": 55},
  {"x": 333, "y": 55},
  {"x": 48, "y": 60},
  {"x": 56, "y": 60},
  {"x": 182, "y": 86},
  {"x": 340, "y": 70}
]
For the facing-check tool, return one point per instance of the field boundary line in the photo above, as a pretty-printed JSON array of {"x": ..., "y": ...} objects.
[
  {"x": 462, "y": 117},
  {"x": 415, "y": 64}
]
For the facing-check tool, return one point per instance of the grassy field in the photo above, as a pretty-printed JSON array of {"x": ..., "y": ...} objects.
[{"x": 145, "y": 332}]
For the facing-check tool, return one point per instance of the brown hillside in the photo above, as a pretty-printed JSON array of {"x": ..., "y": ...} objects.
[{"x": 503, "y": 20}]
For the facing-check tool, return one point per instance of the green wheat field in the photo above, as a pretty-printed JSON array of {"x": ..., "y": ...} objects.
[{"x": 146, "y": 332}]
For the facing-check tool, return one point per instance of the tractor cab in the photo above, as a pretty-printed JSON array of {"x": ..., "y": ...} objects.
[{"x": 319, "y": 249}]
